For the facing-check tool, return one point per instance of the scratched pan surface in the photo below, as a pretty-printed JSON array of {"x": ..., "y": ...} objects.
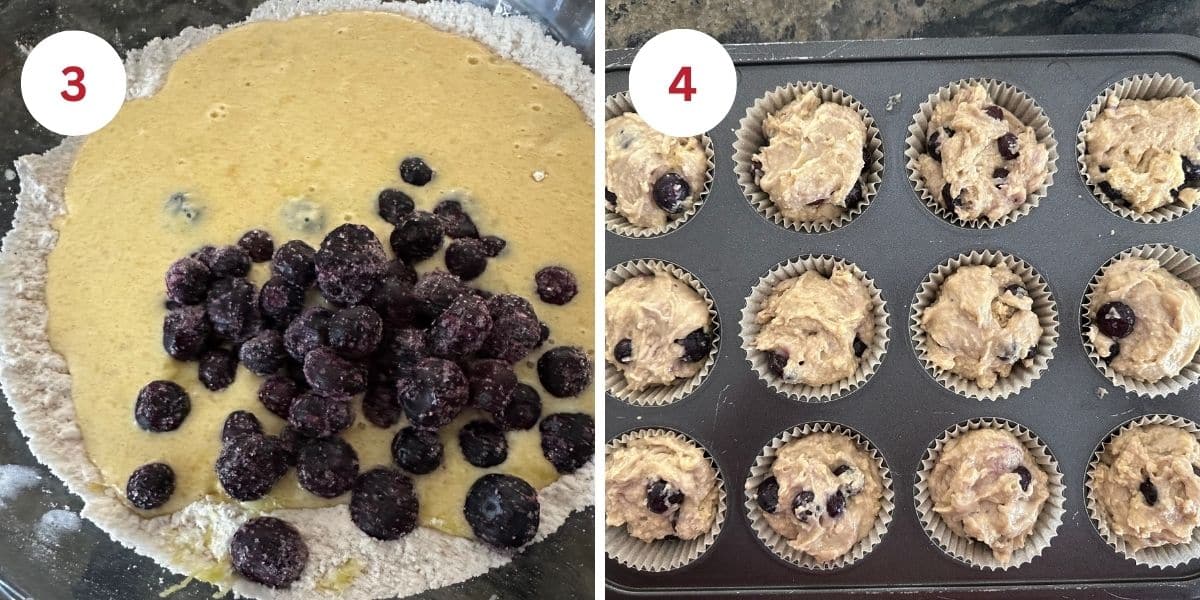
[{"x": 897, "y": 240}]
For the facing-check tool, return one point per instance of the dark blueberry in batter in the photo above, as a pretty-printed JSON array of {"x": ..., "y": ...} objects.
[
  {"x": 492, "y": 382},
  {"x": 250, "y": 465},
  {"x": 565, "y": 371},
  {"x": 1016, "y": 290},
  {"x": 1111, "y": 192},
  {"x": 804, "y": 505},
  {"x": 351, "y": 260},
  {"x": 277, "y": 393},
  {"x": 150, "y": 486},
  {"x": 555, "y": 285},
  {"x": 293, "y": 262},
  {"x": 994, "y": 112},
  {"x": 838, "y": 470},
  {"x": 280, "y": 302},
  {"x": 461, "y": 329},
  {"x": 355, "y": 332},
  {"x": 269, "y": 551},
  {"x": 1191, "y": 172},
  {"x": 384, "y": 504},
  {"x": 662, "y": 497},
  {"x": 185, "y": 332},
  {"x": 317, "y": 416},
  {"x": 394, "y": 302},
  {"x": 307, "y": 332},
  {"x": 380, "y": 406},
  {"x": 394, "y": 205},
  {"x": 327, "y": 467},
  {"x": 1025, "y": 477},
  {"x": 493, "y": 245},
  {"x": 400, "y": 352},
  {"x": 855, "y": 197},
  {"x": 264, "y": 353},
  {"x": 1007, "y": 145},
  {"x": 414, "y": 171},
  {"x": 623, "y": 351},
  {"x": 433, "y": 394},
  {"x": 1116, "y": 319},
  {"x": 455, "y": 221},
  {"x": 466, "y": 258},
  {"x": 696, "y": 345},
  {"x": 767, "y": 495},
  {"x": 417, "y": 237},
  {"x": 567, "y": 440},
  {"x": 836, "y": 504},
  {"x": 934, "y": 145},
  {"x": 503, "y": 510},
  {"x": 434, "y": 293},
  {"x": 609, "y": 197},
  {"x": 258, "y": 244},
  {"x": 239, "y": 423},
  {"x": 523, "y": 410},
  {"x": 332, "y": 375},
  {"x": 187, "y": 281},
  {"x": 229, "y": 261},
  {"x": 161, "y": 406},
  {"x": 1000, "y": 173},
  {"x": 670, "y": 191},
  {"x": 949, "y": 200},
  {"x": 516, "y": 330},
  {"x": 418, "y": 451},
  {"x": 1113, "y": 351},
  {"x": 776, "y": 363},
  {"x": 483, "y": 443},
  {"x": 232, "y": 309},
  {"x": 1149, "y": 492},
  {"x": 218, "y": 368},
  {"x": 859, "y": 347}
]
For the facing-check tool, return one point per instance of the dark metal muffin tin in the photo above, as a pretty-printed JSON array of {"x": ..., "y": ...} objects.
[{"x": 897, "y": 241}]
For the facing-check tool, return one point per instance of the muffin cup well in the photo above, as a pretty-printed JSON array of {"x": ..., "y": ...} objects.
[
  {"x": 1044, "y": 307},
  {"x": 978, "y": 554},
  {"x": 1179, "y": 263},
  {"x": 619, "y": 104},
  {"x": 665, "y": 554},
  {"x": 1162, "y": 557},
  {"x": 871, "y": 358},
  {"x": 1141, "y": 87},
  {"x": 614, "y": 379},
  {"x": 1007, "y": 96},
  {"x": 761, "y": 469},
  {"x": 750, "y": 139}
]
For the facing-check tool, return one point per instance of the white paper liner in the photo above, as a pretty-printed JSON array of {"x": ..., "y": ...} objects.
[
  {"x": 761, "y": 469},
  {"x": 977, "y": 554},
  {"x": 1162, "y": 557},
  {"x": 1179, "y": 263},
  {"x": 750, "y": 139},
  {"x": 1022, "y": 106},
  {"x": 867, "y": 364},
  {"x": 1044, "y": 307},
  {"x": 660, "y": 395},
  {"x": 1141, "y": 87},
  {"x": 619, "y": 104},
  {"x": 665, "y": 554}
]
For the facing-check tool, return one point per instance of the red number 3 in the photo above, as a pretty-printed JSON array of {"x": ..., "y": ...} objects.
[
  {"x": 75, "y": 75},
  {"x": 682, "y": 84}
]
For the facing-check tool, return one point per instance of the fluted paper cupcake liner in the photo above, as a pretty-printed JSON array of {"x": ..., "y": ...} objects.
[
  {"x": 867, "y": 364},
  {"x": 661, "y": 395},
  {"x": 761, "y": 469},
  {"x": 750, "y": 139},
  {"x": 665, "y": 554},
  {"x": 619, "y": 104},
  {"x": 1162, "y": 557},
  {"x": 1179, "y": 263},
  {"x": 1044, "y": 307},
  {"x": 1141, "y": 87},
  {"x": 1007, "y": 96},
  {"x": 977, "y": 554}
]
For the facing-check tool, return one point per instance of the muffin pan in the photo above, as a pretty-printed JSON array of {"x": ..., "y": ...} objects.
[{"x": 728, "y": 246}]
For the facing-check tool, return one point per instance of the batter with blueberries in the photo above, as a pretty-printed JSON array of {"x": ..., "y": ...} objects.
[
  {"x": 650, "y": 178},
  {"x": 659, "y": 486},
  {"x": 656, "y": 330}
]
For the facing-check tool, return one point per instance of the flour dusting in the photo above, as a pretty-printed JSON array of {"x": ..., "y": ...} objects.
[
  {"x": 56, "y": 524},
  {"x": 14, "y": 480}
]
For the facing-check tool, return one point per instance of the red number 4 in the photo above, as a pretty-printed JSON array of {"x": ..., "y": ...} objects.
[
  {"x": 76, "y": 82},
  {"x": 682, "y": 84}
]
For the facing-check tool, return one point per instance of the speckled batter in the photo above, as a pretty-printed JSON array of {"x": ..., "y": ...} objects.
[
  {"x": 976, "y": 488},
  {"x": 981, "y": 325},
  {"x": 813, "y": 321},
  {"x": 636, "y": 155},
  {"x": 1166, "y": 333},
  {"x": 630, "y": 469},
  {"x": 653, "y": 312},
  {"x": 846, "y": 491},
  {"x": 813, "y": 158},
  {"x": 1137, "y": 148},
  {"x": 1147, "y": 484},
  {"x": 982, "y": 184}
]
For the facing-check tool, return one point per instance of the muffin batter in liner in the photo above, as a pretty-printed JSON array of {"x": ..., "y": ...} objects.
[
  {"x": 977, "y": 554},
  {"x": 1141, "y": 87},
  {"x": 869, "y": 361},
  {"x": 614, "y": 380},
  {"x": 1161, "y": 557},
  {"x": 665, "y": 554},
  {"x": 761, "y": 469},
  {"x": 1044, "y": 307},
  {"x": 1006, "y": 96},
  {"x": 617, "y": 105},
  {"x": 1179, "y": 263},
  {"x": 750, "y": 138}
]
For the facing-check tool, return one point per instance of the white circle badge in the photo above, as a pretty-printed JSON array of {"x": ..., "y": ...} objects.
[
  {"x": 73, "y": 83},
  {"x": 682, "y": 82}
]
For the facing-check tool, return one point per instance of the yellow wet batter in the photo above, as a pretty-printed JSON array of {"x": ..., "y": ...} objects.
[{"x": 323, "y": 109}]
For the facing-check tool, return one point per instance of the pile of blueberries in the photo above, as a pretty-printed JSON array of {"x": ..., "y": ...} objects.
[{"x": 422, "y": 347}]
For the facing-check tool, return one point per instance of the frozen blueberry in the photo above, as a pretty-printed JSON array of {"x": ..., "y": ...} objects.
[
  {"x": 418, "y": 451},
  {"x": 662, "y": 497},
  {"x": 250, "y": 465},
  {"x": 516, "y": 330},
  {"x": 461, "y": 329},
  {"x": 804, "y": 505},
  {"x": 393, "y": 300},
  {"x": 493, "y": 245},
  {"x": 767, "y": 495},
  {"x": 543, "y": 332},
  {"x": 623, "y": 351},
  {"x": 777, "y": 362},
  {"x": 567, "y": 440},
  {"x": 355, "y": 332},
  {"x": 269, "y": 551},
  {"x": 859, "y": 347},
  {"x": 293, "y": 262},
  {"x": 187, "y": 281},
  {"x": 258, "y": 244},
  {"x": 280, "y": 302},
  {"x": 1149, "y": 492},
  {"x": 466, "y": 258},
  {"x": 435, "y": 292},
  {"x": 503, "y": 510},
  {"x": 290, "y": 441},
  {"x": 1112, "y": 193},
  {"x": 150, "y": 486},
  {"x": 380, "y": 406},
  {"x": 316, "y": 416},
  {"x": 185, "y": 332},
  {"x": 934, "y": 145},
  {"x": 229, "y": 261},
  {"x": 400, "y": 352},
  {"x": 351, "y": 260},
  {"x": 394, "y": 205},
  {"x": 414, "y": 171},
  {"x": 333, "y": 375},
  {"x": 417, "y": 237},
  {"x": 670, "y": 190},
  {"x": 232, "y": 309},
  {"x": 492, "y": 382},
  {"x": 239, "y": 423},
  {"x": 695, "y": 345},
  {"x": 949, "y": 200},
  {"x": 1116, "y": 319},
  {"x": 483, "y": 443},
  {"x": 433, "y": 393},
  {"x": 999, "y": 174},
  {"x": 555, "y": 285},
  {"x": 1024, "y": 477},
  {"x": 218, "y": 367},
  {"x": 523, "y": 410},
  {"x": 565, "y": 371},
  {"x": 327, "y": 467},
  {"x": 264, "y": 353},
  {"x": 455, "y": 221},
  {"x": 1007, "y": 145},
  {"x": 855, "y": 196},
  {"x": 277, "y": 393},
  {"x": 161, "y": 406},
  {"x": 307, "y": 332},
  {"x": 1191, "y": 172},
  {"x": 1113, "y": 351},
  {"x": 384, "y": 504},
  {"x": 836, "y": 505},
  {"x": 994, "y": 112},
  {"x": 1016, "y": 290}
]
